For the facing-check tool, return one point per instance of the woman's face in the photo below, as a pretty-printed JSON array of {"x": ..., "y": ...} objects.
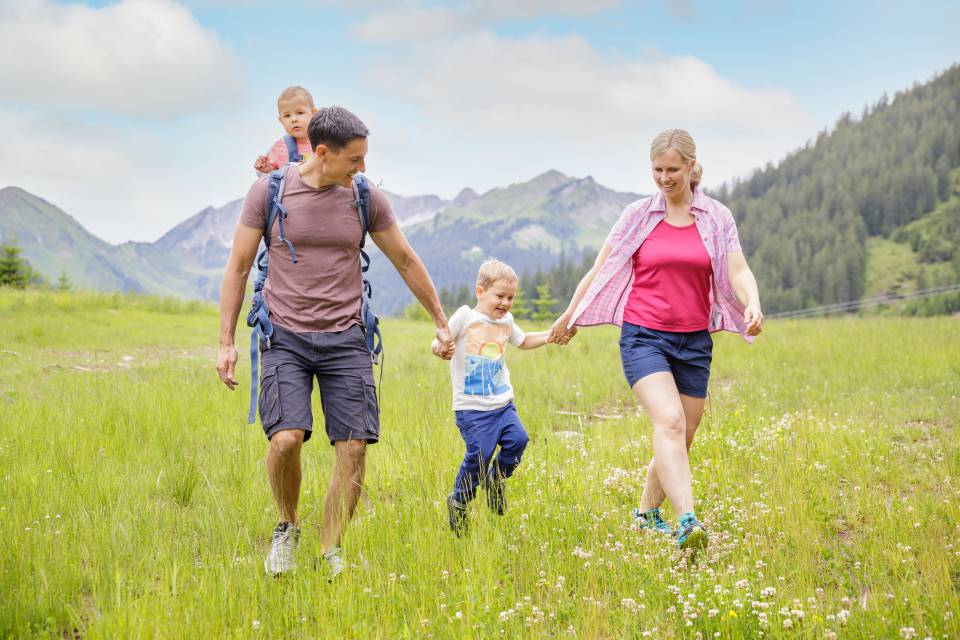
[{"x": 671, "y": 173}]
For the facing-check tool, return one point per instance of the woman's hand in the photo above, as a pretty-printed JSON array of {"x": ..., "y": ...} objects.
[
  {"x": 559, "y": 334},
  {"x": 753, "y": 318}
]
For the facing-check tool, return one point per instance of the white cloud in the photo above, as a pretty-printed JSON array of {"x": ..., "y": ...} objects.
[
  {"x": 558, "y": 103},
  {"x": 681, "y": 9},
  {"x": 127, "y": 182},
  {"x": 138, "y": 57},
  {"x": 414, "y": 23},
  {"x": 410, "y": 24}
]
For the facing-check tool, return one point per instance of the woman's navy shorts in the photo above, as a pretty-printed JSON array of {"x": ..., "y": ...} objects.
[{"x": 686, "y": 355}]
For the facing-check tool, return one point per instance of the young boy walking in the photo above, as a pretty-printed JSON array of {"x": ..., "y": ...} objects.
[
  {"x": 295, "y": 107},
  {"x": 482, "y": 393}
]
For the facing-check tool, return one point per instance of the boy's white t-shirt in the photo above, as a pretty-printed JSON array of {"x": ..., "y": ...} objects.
[{"x": 481, "y": 380}]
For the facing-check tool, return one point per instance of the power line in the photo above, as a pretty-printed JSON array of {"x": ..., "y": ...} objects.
[{"x": 853, "y": 305}]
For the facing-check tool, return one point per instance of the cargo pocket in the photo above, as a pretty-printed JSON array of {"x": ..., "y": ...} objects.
[
  {"x": 269, "y": 402},
  {"x": 371, "y": 415}
]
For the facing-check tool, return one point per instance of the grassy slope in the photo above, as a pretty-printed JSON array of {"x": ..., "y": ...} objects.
[
  {"x": 894, "y": 267},
  {"x": 133, "y": 500},
  {"x": 55, "y": 243}
]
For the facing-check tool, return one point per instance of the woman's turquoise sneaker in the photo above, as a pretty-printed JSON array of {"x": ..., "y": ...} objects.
[
  {"x": 691, "y": 534},
  {"x": 650, "y": 519}
]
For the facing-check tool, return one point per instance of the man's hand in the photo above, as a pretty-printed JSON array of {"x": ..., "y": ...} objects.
[
  {"x": 445, "y": 346},
  {"x": 753, "y": 317},
  {"x": 227, "y": 365},
  {"x": 440, "y": 351},
  {"x": 262, "y": 164}
]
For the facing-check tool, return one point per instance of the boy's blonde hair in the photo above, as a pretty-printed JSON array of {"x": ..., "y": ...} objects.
[
  {"x": 295, "y": 92},
  {"x": 493, "y": 271}
]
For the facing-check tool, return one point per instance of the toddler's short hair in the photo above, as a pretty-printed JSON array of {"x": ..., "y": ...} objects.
[
  {"x": 295, "y": 92},
  {"x": 493, "y": 271}
]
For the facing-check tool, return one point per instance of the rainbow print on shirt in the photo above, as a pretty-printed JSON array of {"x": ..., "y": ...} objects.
[{"x": 485, "y": 359}]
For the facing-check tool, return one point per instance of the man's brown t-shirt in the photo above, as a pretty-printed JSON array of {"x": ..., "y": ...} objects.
[{"x": 321, "y": 292}]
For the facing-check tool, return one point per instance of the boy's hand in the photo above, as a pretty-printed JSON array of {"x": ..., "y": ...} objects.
[
  {"x": 567, "y": 337},
  {"x": 262, "y": 164},
  {"x": 444, "y": 351}
]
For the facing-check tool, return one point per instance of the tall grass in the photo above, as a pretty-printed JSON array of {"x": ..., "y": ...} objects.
[{"x": 133, "y": 498}]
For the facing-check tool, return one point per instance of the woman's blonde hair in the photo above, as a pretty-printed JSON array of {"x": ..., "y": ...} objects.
[
  {"x": 683, "y": 143},
  {"x": 493, "y": 271}
]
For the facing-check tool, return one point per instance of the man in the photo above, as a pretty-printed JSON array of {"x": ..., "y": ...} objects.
[{"x": 315, "y": 310}]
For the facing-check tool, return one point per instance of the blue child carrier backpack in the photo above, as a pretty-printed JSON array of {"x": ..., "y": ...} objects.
[
  {"x": 259, "y": 316},
  {"x": 293, "y": 154}
]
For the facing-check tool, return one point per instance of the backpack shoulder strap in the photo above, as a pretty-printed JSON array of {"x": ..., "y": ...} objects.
[
  {"x": 293, "y": 154},
  {"x": 275, "y": 208},
  {"x": 361, "y": 193}
]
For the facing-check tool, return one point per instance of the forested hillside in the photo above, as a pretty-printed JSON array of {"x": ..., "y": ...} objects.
[{"x": 891, "y": 173}]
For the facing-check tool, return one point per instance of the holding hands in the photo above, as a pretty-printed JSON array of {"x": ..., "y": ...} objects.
[
  {"x": 559, "y": 333},
  {"x": 443, "y": 345}
]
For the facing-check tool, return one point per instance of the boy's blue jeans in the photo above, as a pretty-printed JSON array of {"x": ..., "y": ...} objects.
[{"x": 482, "y": 431}]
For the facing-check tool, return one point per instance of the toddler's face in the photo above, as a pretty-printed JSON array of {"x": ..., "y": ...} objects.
[
  {"x": 496, "y": 300},
  {"x": 295, "y": 114}
]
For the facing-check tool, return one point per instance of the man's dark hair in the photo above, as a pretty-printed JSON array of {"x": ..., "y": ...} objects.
[{"x": 335, "y": 127}]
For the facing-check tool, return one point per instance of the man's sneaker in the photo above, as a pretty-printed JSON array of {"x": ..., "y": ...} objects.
[
  {"x": 458, "y": 516},
  {"x": 650, "y": 519},
  {"x": 496, "y": 494},
  {"x": 334, "y": 558},
  {"x": 280, "y": 560},
  {"x": 691, "y": 534}
]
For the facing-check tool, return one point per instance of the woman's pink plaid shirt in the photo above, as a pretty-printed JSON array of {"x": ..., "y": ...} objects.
[{"x": 607, "y": 295}]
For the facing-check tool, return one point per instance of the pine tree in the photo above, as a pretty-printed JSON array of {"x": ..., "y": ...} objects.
[
  {"x": 12, "y": 267},
  {"x": 544, "y": 303},
  {"x": 64, "y": 284},
  {"x": 520, "y": 308}
]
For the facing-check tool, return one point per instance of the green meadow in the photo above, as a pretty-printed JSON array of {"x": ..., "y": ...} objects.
[{"x": 134, "y": 502}]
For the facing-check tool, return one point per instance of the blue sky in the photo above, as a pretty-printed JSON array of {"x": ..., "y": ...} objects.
[{"x": 134, "y": 115}]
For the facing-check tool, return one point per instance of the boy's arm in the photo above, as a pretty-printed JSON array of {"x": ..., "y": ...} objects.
[
  {"x": 277, "y": 156},
  {"x": 534, "y": 339}
]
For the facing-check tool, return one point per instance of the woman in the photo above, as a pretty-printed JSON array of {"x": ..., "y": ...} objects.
[{"x": 670, "y": 273}]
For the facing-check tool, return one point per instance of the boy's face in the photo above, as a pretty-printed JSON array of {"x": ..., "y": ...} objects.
[
  {"x": 496, "y": 300},
  {"x": 295, "y": 114}
]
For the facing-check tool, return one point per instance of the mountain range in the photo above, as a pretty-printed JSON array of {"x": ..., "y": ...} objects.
[
  {"x": 870, "y": 207},
  {"x": 528, "y": 224}
]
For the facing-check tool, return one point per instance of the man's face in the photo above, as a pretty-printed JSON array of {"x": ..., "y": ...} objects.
[
  {"x": 295, "y": 114},
  {"x": 340, "y": 165}
]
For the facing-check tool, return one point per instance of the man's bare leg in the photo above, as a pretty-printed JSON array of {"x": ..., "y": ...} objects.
[
  {"x": 346, "y": 483},
  {"x": 283, "y": 469}
]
